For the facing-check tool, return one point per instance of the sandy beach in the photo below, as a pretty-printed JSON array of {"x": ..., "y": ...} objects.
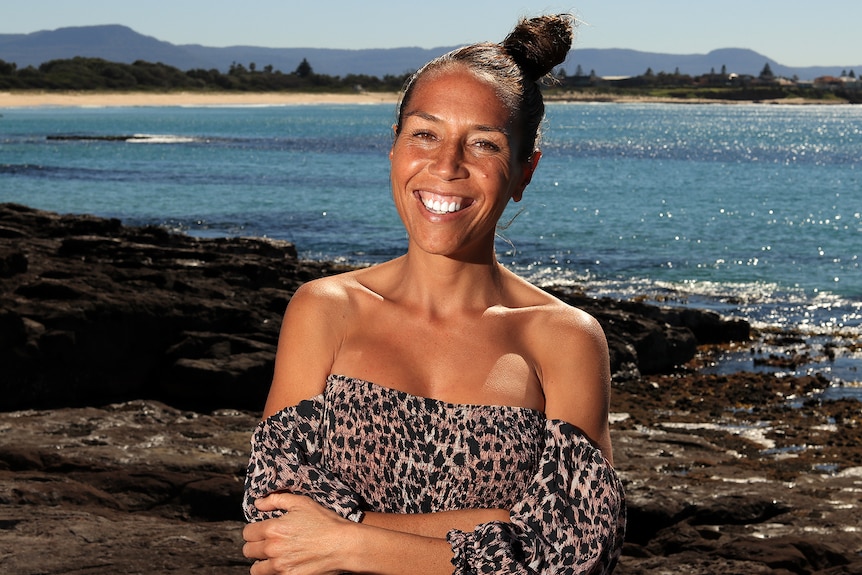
[{"x": 25, "y": 99}]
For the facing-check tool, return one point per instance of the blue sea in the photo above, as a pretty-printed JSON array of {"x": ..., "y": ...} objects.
[{"x": 753, "y": 211}]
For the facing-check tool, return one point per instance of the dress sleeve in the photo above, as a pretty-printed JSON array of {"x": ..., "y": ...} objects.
[
  {"x": 286, "y": 456},
  {"x": 570, "y": 520}
]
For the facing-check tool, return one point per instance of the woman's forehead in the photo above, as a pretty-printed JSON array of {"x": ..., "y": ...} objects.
[{"x": 459, "y": 83}]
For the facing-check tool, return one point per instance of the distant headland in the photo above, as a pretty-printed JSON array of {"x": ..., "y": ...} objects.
[
  {"x": 122, "y": 44},
  {"x": 115, "y": 59}
]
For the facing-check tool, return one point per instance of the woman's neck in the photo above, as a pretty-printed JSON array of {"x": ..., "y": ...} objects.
[{"x": 440, "y": 285}]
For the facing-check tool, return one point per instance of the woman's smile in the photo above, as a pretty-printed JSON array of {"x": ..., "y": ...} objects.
[{"x": 440, "y": 204}]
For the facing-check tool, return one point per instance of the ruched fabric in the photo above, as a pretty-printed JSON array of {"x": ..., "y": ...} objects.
[
  {"x": 286, "y": 456},
  {"x": 571, "y": 518},
  {"x": 362, "y": 447}
]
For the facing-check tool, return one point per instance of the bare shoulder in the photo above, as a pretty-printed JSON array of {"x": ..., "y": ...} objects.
[
  {"x": 325, "y": 297},
  {"x": 575, "y": 324},
  {"x": 328, "y": 289},
  {"x": 310, "y": 336},
  {"x": 555, "y": 320},
  {"x": 571, "y": 358},
  {"x": 566, "y": 335}
]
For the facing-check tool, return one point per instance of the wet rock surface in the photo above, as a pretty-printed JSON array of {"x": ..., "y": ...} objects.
[
  {"x": 135, "y": 363},
  {"x": 95, "y": 312}
]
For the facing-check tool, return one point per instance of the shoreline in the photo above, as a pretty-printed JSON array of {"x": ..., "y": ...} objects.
[
  {"x": 48, "y": 99},
  {"x": 79, "y": 99}
]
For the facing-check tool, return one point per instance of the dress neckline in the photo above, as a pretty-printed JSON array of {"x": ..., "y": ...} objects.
[{"x": 439, "y": 403}]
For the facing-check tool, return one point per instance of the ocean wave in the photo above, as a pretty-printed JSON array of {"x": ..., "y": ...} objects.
[
  {"x": 163, "y": 139},
  {"x": 767, "y": 306},
  {"x": 128, "y": 138}
]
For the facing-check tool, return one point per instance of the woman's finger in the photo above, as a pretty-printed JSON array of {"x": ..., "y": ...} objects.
[{"x": 281, "y": 500}]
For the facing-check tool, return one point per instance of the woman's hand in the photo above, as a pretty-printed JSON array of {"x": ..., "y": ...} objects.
[{"x": 308, "y": 539}]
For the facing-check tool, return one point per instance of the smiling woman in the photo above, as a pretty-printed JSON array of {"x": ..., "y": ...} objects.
[
  {"x": 436, "y": 410},
  {"x": 454, "y": 169}
]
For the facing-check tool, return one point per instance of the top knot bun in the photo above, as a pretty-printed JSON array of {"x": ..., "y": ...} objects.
[
  {"x": 539, "y": 44},
  {"x": 514, "y": 67}
]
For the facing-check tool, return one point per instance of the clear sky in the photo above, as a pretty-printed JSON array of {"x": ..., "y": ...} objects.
[{"x": 792, "y": 32}]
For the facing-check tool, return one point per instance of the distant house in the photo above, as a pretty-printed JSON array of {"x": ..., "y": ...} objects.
[{"x": 831, "y": 83}]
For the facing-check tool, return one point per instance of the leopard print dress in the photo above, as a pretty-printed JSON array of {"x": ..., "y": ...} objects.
[{"x": 362, "y": 447}]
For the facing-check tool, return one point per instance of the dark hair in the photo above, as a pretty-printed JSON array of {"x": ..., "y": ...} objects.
[{"x": 514, "y": 67}]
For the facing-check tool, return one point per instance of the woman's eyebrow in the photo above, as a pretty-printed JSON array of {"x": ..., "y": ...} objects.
[{"x": 481, "y": 127}]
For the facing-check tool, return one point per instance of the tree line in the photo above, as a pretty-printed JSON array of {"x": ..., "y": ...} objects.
[
  {"x": 81, "y": 74},
  {"x": 714, "y": 85}
]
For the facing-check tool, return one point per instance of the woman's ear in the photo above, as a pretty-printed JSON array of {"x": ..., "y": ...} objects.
[
  {"x": 527, "y": 169},
  {"x": 394, "y": 137}
]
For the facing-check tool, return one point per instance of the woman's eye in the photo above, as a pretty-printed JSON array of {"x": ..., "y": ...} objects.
[{"x": 487, "y": 145}]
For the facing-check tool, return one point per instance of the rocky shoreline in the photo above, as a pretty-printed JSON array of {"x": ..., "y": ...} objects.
[{"x": 135, "y": 363}]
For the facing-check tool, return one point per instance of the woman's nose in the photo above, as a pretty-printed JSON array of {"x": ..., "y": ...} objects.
[{"x": 448, "y": 162}]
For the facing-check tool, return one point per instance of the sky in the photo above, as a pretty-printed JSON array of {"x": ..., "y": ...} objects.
[{"x": 792, "y": 32}]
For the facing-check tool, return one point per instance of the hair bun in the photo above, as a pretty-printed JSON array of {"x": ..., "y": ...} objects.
[{"x": 538, "y": 44}]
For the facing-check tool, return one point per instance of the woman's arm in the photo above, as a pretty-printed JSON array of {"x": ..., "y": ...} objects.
[
  {"x": 307, "y": 343},
  {"x": 435, "y": 524},
  {"x": 309, "y": 539},
  {"x": 575, "y": 372}
]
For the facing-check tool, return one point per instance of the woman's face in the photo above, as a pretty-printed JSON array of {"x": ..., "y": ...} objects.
[{"x": 454, "y": 165}]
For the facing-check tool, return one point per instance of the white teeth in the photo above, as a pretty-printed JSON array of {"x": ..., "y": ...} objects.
[{"x": 444, "y": 207}]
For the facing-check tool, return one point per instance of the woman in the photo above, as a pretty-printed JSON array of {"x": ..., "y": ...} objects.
[{"x": 436, "y": 409}]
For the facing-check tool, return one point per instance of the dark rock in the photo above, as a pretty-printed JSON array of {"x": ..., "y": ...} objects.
[
  {"x": 651, "y": 512},
  {"x": 11, "y": 232},
  {"x": 93, "y": 312},
  {"x": 737, "y": 509},
  {"x": 134, "y": 488},
  {"x": 49, "y": 290},
  {"x": 651, "y": 338},
  {"x": 681, "y": 538},
  {"x": 13, "y": 333},
  {"x": 215, "y": 498},
  {"x": 784, "y": 553},
  {"x": 13, "y": 263}
]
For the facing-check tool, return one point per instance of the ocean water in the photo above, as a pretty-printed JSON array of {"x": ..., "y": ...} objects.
[{"x": 753, "y": 211}]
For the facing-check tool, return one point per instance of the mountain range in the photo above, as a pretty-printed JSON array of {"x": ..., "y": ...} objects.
[{"x": 122, "y": 44}]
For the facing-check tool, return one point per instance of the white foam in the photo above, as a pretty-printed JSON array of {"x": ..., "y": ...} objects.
[{"x": 161, "y": 139}]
